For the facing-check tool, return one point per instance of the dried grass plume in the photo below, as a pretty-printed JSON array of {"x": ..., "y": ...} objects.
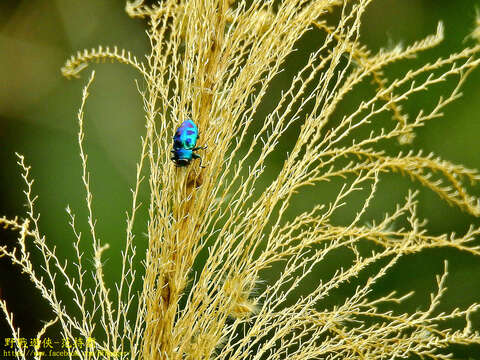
[{"x": 214, "y": 61}]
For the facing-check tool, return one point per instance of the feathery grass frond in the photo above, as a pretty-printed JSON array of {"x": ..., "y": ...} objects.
[
  {"x": 231, "y": 269},
  {"x": 80, "y": 61}
]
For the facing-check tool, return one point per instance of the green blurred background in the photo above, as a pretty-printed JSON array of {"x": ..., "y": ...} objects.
[{"x": 38, "y": 119}]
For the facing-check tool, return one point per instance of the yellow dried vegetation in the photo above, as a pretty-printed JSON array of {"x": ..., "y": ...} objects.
[{"x": 214, "y": 61}]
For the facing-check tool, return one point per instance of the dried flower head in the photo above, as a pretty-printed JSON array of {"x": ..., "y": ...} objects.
[{"x": 214, "y": 62}]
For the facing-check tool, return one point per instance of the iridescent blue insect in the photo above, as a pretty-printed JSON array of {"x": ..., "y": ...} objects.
[{"x": 184, "y": 142}]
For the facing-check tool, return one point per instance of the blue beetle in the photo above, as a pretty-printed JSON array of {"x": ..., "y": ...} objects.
[{"x": 184, "y": 142}]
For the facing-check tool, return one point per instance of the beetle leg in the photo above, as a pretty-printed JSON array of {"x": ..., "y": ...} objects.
[
  {"x": 196, "y": 156},
  {"x": 201, "y": 161}
]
